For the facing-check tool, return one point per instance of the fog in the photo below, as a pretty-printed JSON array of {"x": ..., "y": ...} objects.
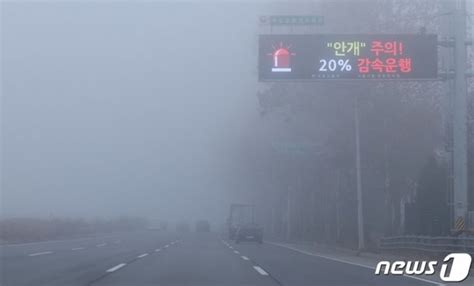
[
  {"x": 236, "y": 142},
  {"x": 154, "y": 109},
  {"x": 125, "y": 109}
]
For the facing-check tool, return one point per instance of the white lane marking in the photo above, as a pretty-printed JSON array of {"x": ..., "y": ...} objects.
[
  {"x": 260, "y": 270},
  {"x": 77, "y": 248},
  {"x": 231, "y": 247},
  {"x": 143, "y": 255},
  {"x": 158, "y": 250},
  {"x": 348, "y": 262},
  {"x": 40, "y": 253},
  {"x": 49, "y": 241},
  {"x": 172, "y": 243},
  {"x": 166, "y": 246},
  {"x": 102, "y": 244},
  {"x": 245, "y": 257},
  {"x": 236, "y": 252},
  {"x": 117, "y": 267}
]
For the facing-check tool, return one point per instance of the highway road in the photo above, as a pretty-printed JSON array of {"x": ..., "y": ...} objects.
[{"x": 168, "y": 258}]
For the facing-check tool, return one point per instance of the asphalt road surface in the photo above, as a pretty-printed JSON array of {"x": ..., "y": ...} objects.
[{"x": 161, "y": 258}]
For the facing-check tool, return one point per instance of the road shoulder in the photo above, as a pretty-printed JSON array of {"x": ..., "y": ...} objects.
[{"x": 364, "y": 259}]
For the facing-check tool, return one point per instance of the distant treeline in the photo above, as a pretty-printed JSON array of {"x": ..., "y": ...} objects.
[{"x": 37, "y": 229}]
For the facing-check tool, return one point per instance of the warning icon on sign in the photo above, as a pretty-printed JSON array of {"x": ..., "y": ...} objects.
[{"x": 281, "y": 57}]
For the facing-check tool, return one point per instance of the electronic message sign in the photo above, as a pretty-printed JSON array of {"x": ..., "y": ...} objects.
[{"x": 347, "y": 57}]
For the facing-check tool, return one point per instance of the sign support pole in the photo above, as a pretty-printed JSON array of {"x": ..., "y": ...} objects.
[
  {"x": 460, "y": 198},
  {"x": 360, "y": 210}
]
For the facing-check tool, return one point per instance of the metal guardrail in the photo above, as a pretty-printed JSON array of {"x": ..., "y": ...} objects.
[{"x": 429, "y": 244}]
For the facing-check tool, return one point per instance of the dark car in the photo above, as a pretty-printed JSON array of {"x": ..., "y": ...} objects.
[
  {"x": 249, "y": 232},
  {"x": 163, "y": 225},
  {"x": 182, "y": 227},
  {"x": 203, "y": 226}
]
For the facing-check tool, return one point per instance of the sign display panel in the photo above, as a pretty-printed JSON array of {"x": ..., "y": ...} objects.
[{"x": 349, "y": 57}]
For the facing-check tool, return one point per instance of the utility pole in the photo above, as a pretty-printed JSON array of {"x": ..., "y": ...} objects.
[
  {"x": 460, "y": 196},
  {"x": 338, "y": 205},
  {"x": 388, "y": 214},
  {"x": 288, "y": 213},
  {"x": 360, "y": 210}
]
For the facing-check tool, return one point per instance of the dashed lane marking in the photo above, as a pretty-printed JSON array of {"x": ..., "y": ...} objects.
[
  {"x": 117, "y": 267},
  {"x": 142, "y": 255},
  {"x": 260, "y": 270},
  {"x": 77, "y": 248},
  {"x": 101, "y": 245},
  {"x": 40, "y": 253},
  {"x": 245, "y": 257}
]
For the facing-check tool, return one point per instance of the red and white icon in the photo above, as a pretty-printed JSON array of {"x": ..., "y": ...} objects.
[{"x": 281, "y": 57}]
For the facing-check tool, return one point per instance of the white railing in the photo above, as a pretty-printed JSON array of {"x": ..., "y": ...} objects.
[{"x": 429, "y": 244}]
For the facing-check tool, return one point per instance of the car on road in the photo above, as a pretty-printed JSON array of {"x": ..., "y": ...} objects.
[
  {"x": 239, "y": 215},
  {"x": 203, "y": 226},
  {"x": 249, "y": 232}
]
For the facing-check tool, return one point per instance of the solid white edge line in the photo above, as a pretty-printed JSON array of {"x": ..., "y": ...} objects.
[
  {"x": 244, "y": 257},
  {"x": 142, "y": 255},
  {"x": 260, "y": 270},
  {"x": 40, "y": 253},
  {"x": 424, "y": 280},
  {"x": 117, "y": 267},
  {"x": 348, "y": 262}
]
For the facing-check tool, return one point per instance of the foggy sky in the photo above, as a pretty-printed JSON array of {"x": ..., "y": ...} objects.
[{"x": 122, "y": 108}]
